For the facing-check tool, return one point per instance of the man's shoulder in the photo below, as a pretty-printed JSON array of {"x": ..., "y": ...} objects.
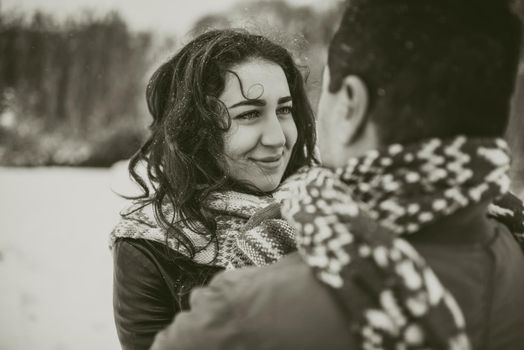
[
  {"x": 286, "y": 287},
  {"x": 289, "y": 268},
  {"x": 274, "y": 303}
]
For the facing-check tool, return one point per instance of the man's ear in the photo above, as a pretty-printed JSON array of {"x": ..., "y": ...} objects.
[{"x": 353, "y": 98}]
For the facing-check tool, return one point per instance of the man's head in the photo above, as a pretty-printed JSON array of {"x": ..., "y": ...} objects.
[{"x": 403, "y": 70}]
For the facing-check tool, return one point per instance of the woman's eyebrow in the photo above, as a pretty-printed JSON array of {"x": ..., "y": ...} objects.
[
  {"x": 258, "y": 102},
  {"x": 284, "y": 99},
  {"x": 251, "y": 102}
]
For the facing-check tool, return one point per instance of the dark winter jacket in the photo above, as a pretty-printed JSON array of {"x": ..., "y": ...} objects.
[{"x": 151, "y": 285}]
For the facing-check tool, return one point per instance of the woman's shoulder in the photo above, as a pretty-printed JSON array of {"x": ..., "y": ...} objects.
[
  {"x": 142, "y": 256},
  {"x": 141, "y": 246},
  {"x": 137, "y": 250},
  {"x": 137, "y": 221},
  {"x": 155, "y": 256},
  {"x": 139, "y": 260}
]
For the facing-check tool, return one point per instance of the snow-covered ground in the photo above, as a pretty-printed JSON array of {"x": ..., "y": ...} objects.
[{"x": 55, "y": 267}]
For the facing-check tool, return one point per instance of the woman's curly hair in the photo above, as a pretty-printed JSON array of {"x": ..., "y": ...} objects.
[{"x": 184, "y": 154}]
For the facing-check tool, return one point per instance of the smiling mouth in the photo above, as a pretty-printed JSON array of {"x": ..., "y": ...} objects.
[{"x": 271, "y": 162}]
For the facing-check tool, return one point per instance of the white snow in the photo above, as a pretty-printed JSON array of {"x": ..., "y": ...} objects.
[{"x": 55, "y": 267}]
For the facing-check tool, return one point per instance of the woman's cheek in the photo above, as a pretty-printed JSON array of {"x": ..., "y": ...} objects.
[
  {"x": 239, "y": 141},
  {"x": 291, "y": 133}
]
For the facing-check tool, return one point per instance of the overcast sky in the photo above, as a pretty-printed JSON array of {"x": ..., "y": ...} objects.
[{"x": 159, "y": 15}]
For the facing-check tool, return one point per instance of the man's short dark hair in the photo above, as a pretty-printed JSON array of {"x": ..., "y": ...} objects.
[{"x": 434, "y": 68}]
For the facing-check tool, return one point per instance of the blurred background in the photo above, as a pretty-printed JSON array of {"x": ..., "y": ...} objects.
[{"x": 72, "y": 111}]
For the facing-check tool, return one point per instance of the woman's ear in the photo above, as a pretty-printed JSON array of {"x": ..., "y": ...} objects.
[{"x": 354, "y": 100}]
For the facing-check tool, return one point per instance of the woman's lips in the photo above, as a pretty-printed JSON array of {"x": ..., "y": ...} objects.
[{"x": 269, "y": 162}]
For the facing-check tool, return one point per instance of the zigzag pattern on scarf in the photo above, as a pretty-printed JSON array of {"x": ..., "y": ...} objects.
[{"x": 402, "y": 303}]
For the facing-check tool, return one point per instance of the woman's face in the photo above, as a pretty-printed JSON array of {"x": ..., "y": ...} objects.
[{"x": 262, "y": 135}]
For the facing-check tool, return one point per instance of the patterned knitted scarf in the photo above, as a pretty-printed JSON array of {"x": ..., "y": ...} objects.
[
  {"x": 250, "y": 230},
  {"x": 350, "y": 222}
]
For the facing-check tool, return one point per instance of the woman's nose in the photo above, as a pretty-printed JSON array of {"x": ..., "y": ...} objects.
[{"x": 273, "y": 133}]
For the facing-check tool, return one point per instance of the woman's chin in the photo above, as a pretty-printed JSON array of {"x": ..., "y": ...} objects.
[{"x": 269, "y": 185}]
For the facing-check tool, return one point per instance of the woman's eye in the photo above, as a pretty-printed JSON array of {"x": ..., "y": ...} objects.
[
  {"x": 284, "y": 111},
  {"x": 248, "y": 115}
]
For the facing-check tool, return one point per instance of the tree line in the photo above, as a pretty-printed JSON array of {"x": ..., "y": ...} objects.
[{"x": 61, "y": 82}]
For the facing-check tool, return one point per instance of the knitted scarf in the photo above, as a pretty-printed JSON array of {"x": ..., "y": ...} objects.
[
  {"x": 350, "y": 222},
  {"x": 249, "y": 230}
]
